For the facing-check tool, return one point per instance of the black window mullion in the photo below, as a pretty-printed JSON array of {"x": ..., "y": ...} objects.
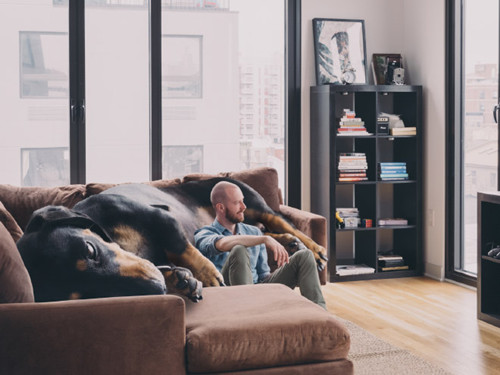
[
  {"x": 155, "y": 123},
  {"x": 454, "y": 137},
  {"x": 77, "y": 91},
  {"x": 293, "y": 103}
]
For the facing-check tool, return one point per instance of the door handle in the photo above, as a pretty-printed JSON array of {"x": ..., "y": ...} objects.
[
  {"x": 77, "y": 111},
  {"x": 495, "y": 111}
]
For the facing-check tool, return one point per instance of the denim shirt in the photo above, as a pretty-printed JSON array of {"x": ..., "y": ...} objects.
[{"x": 206, "y": 237}]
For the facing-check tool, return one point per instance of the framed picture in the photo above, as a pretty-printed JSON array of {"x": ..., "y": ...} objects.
[
  {"x": 380, "y": 63},
  {"x": 339, "y": 50}
]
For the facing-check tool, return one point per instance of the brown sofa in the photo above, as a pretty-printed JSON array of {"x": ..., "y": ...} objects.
[{"x": 261, "y": 329}]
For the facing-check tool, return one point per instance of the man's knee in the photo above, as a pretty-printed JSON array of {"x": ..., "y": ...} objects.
[
  {"x": 239, "y": 253},
  {"x": 305, "y": 255}
]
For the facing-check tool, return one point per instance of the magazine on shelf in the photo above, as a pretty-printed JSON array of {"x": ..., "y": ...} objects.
[{"x": 354, "y": 269}]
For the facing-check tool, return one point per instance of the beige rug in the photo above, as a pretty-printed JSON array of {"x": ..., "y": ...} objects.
[{"x": 372, "y": 355}]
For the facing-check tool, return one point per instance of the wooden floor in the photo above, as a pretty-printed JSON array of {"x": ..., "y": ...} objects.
[{"x": 434, "y": 320}]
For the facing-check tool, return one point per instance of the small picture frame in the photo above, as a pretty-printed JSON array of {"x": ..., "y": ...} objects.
[
  {"x": 339, "y": 51},
  {"x": 380, "y": 64}
]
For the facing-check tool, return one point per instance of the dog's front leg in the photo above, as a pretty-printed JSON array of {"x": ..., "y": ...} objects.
[
  {"x": 277, "y": 224},
  {"x": 291, "y": 243},
  {"x": 202, "y": 268},
  {"x": 180, "y": 281}
]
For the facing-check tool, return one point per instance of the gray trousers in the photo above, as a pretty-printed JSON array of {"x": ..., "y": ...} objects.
[{"x": 300, "y": 271}]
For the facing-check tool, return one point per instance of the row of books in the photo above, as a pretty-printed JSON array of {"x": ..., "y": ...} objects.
[
  {"x": 351, "y": 219},
  {"x": 351, "y": 125},
  {"x": 352, "y": 167},
  {"x": 386, "y": 263},
  {"x": 393, "y": 171}
]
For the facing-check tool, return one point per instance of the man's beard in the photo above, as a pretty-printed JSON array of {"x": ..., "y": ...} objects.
[{"x": 235, "y": 219}]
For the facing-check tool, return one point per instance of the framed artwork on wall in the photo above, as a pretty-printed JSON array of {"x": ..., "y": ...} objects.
[{"x": 339, "y": 51}]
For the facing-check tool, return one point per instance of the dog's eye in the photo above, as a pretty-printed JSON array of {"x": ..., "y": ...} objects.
[{"x": 91, "y": 251}]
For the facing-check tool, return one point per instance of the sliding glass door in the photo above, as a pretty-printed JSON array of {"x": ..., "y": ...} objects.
[
  {"x": 117, "y": 91},
  {"x": 223, "y": 87},
  {"x": 34, "y": 71},
  {"x": 79, "y": 99},
  {"x": 475, "y": 60}
]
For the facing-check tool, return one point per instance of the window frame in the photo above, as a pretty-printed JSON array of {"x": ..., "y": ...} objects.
[
  {"x": 454, "y": 134},
  {"x": 77, "y": 95}
]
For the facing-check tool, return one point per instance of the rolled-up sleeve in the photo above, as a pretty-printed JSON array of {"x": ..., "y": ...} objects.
[{"x": 205, "y": 240}]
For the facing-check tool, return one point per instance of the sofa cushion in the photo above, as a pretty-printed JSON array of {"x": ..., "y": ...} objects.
[
  {"x": 10, "y": 223},
  {"x": 15, "y": 283},
  {"x": 259, "y": 326},
  {"x": 264, "y": 180},
  {"x": 22, "y": 201}
]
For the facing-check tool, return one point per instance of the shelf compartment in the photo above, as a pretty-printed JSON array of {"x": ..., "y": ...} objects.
[
  {"x": 401, "y": 241},
  {"x": 490, "y": 292},
  {"x": 397, "y": 201},
  {"x": 400, "y": 149},
  {"x": 356, "y": 247},
  {"x": 399, "y": 103}
]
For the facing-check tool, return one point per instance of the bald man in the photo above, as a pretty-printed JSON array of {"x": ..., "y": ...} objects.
[{"x": 238, "y": 250}]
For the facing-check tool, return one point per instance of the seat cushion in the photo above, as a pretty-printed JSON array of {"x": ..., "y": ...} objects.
[
  {"x": 15, "y": 282},
  {"x": 259, "y": 326}
]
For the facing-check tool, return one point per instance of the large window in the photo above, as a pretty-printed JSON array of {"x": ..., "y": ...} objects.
[
  {"x": 34, "y": 76},
  {"x": 224, "y": 95},
  {"x": 223, "y": 85},
  {"x": 473, "y": 133}
]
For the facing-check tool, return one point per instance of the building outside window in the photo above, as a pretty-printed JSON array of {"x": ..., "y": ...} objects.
[{"x": 223, "y": 90}]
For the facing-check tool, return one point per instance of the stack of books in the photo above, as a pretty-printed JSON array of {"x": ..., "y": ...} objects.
[
  {"x": 351, "y": 125},
  {"x": 352, "y": 167},
  {"x": 393, "y": 171},
  {"x": 391, "y": 263},
  {"x": 392, "y": 222},
  {"x": 407, "y": 130},
  {"x": 350, "y": 217}
]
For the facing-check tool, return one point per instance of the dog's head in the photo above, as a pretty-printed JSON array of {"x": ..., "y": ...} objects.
[{"x": 69, "y": 256}]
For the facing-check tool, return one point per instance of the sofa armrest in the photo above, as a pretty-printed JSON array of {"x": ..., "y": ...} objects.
[
  {"x": 123, "y": 335},
  {"x": 312, "y": 225}
]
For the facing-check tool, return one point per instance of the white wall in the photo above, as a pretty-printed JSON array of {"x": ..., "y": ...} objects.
[
  {"x": 416, "y": 30},
  {"x": 424, "y": 40}
]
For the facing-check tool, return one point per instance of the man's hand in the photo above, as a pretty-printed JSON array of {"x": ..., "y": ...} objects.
[{"x": 280, "y": 253}]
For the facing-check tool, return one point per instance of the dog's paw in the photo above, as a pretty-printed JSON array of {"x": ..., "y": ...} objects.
[
  {"x": 180, "y": 281},
  {"x": 207, "y": 273},
  {"x": 291, "y": 243},
  {"x": 320, "y": 256}
]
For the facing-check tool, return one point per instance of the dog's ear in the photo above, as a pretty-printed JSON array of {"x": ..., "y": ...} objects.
[
  {"x": 44, "y": 215},
  {"x": 54, "y": 216}
]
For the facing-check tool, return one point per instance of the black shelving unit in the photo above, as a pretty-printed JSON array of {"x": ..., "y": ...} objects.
[
  {"x": 374, "y": 199},
  {"x": 488, "y": 268}
]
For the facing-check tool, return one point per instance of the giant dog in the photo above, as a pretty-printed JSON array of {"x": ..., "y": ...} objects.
[{"x": 136, "y": 239}]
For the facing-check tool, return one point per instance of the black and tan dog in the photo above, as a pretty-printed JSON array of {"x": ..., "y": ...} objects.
[{"x": 135, "y": 239}]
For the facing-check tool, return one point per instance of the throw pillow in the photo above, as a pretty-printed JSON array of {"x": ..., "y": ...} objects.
[
  {"x": 21, "y": 202},
  {"x": 15, "y": 283},
  {"x": 10, "y": 223}
]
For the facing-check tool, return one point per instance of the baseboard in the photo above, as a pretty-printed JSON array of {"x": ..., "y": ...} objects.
[{"x": 434, "y": 271}]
